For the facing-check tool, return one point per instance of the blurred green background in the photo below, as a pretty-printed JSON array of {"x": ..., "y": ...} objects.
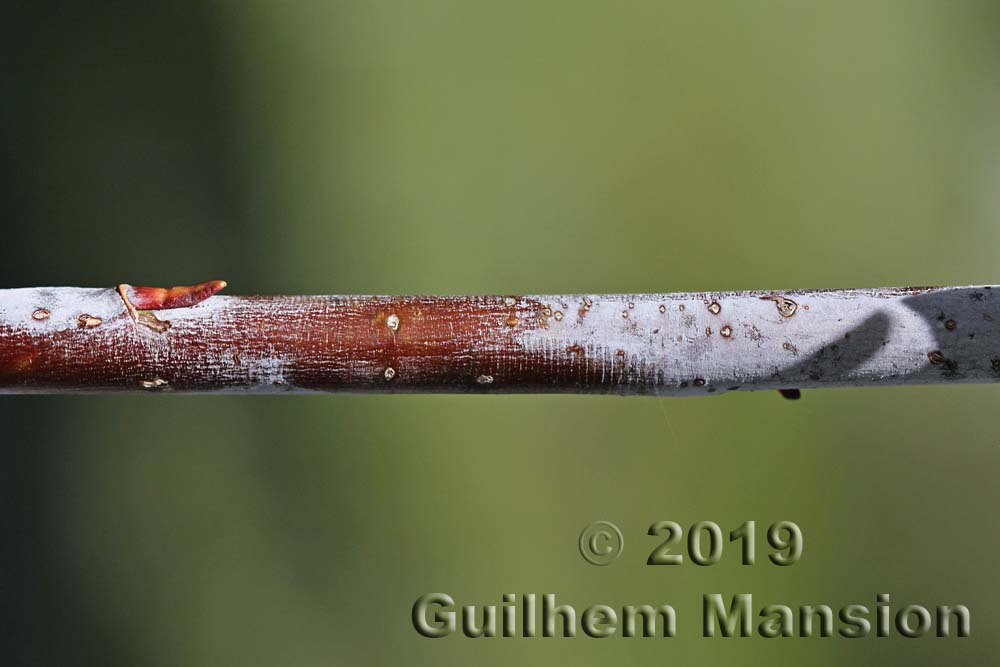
[{"x": 490, "y": 147}]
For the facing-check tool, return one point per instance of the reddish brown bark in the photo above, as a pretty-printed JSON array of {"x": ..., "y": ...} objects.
[{"x": 280, "y": 343}]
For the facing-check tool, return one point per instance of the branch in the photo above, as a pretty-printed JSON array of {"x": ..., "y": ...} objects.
[{"x": 67, "y": 339}]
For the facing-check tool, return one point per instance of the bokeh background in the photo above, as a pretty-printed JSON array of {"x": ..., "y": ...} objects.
[{"x": 490, "y": 147}]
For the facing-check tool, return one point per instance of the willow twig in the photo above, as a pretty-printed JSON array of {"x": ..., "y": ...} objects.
[{"x": 184, "y": 339}]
